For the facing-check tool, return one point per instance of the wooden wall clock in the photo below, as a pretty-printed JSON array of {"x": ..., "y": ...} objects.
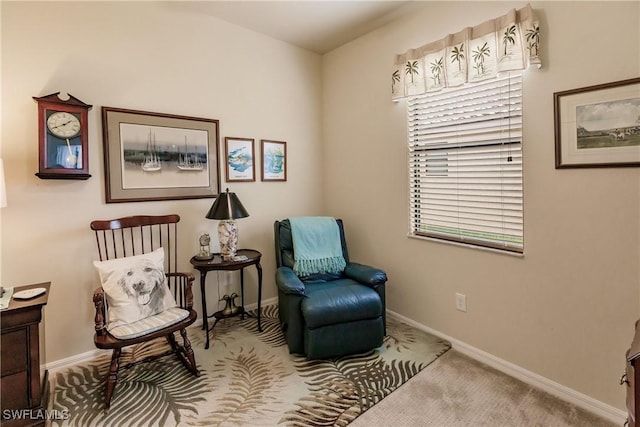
[{"x": 62, "y": 137}]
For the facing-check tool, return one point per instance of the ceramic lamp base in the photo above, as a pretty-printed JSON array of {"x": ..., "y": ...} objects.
[{"x": 228, "y": 237}]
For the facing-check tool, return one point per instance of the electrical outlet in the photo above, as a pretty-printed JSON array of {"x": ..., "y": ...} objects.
[{"x": 461, "y": 302}]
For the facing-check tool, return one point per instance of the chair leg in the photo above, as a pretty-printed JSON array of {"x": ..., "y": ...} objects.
[
  {"x": 171, "y": 339},
  {"x": 184, "y": 353},
  {"x": 112, "y": 378},
  {"x": 189, "y": 353}
]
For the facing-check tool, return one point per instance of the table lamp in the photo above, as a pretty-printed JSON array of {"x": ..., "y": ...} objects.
[{"x": 227, "y": 208}]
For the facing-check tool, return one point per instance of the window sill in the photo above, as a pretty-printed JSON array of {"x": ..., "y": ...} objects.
[{"x": 466, "y": 245}]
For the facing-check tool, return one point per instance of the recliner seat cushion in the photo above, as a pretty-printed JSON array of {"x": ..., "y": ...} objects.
[{"x": 339, "y": 301}]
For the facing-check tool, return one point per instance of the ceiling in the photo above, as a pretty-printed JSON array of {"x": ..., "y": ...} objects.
[{"x": 319, "y": 26}]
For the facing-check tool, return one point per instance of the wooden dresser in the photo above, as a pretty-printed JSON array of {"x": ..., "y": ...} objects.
[
  {"x": 631, "y": 378},
  {"x": 23, "y": 386}
]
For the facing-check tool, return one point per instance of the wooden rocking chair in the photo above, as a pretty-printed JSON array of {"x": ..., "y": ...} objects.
[{"x": 136, "y": 235}]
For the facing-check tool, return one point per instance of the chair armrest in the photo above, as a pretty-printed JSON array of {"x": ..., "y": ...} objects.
[
  {"x": 184, "y": 291},
  {"x": 365, "y": 274},
  {"x": 288, "y": 282},
  {"x": 98, "y": 302}
]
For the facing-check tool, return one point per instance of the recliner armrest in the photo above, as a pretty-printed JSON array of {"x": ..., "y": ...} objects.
[
  {"x": 288, "y": 282},
  {"x": 365, "y": 274}
]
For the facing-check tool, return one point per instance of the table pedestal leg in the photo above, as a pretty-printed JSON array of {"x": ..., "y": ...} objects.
[
  {"x": 259, "y": 268},
  {"x": 242, "y": 291},
  {"x": 203, "y": 295},
  {"x": 206, "y": 346}
]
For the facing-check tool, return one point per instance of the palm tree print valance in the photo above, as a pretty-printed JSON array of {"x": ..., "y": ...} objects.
[{"x": 509, "y": 42}]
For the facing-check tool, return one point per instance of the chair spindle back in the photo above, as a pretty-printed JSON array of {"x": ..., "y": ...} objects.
[{"x": 140, "y": 234}]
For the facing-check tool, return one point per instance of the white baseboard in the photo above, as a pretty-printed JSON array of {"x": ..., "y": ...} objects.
[
  {"x": 565, "y": 393},
  {"x": 57, "y": 365},
  {"x": 263, "y": 304}
]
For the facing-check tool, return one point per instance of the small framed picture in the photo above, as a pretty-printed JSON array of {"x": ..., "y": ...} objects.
[
  {"x": 598, "y": 126},
  {"x": 239, "y": 159},
  {"x": 274, "y": 160}
]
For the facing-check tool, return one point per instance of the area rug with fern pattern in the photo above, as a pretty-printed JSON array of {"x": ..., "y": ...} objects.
[{"x": 247, "y": 379}]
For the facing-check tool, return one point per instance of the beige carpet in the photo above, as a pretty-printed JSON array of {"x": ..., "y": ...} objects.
[{"x": 456, "y": 390}]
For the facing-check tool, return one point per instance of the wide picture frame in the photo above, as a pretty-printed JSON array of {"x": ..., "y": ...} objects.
[
  {"x": 154, "y": 156},
  {"x": 239, "y": 159},
  {"x": 598, "y": 126}
]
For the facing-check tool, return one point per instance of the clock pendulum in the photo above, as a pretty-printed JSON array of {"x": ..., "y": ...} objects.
[{"x": 71, "y": 159}]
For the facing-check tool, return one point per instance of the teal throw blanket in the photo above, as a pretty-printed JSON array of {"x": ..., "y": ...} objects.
[{"x": 316, "y": 245}]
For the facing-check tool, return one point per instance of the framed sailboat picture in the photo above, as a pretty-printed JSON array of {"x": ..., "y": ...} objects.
[{"x": 155, "y": 156}]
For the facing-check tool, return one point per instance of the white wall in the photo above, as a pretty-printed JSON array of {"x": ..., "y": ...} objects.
[
  {"x": 566, "y": 309},
  {"x": 152, "y": 57}
]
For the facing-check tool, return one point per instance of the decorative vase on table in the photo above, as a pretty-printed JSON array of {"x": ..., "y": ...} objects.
[
  {"x": 228, "y": 236},
  {"x": 227, "y": 208}
]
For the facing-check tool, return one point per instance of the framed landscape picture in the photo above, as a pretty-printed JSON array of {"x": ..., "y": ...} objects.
[
  {"x": 239, "y": 159},
  {"x": 598, "y": 126},
  {"x": 154, "y": 156},
  {"x": 274, "y": 160}
]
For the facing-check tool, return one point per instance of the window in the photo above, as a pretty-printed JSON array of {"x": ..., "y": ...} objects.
[{"x": 465, "y": 164}]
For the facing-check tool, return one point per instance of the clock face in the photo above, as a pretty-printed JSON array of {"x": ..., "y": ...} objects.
[{"x": 63, "y": 124}]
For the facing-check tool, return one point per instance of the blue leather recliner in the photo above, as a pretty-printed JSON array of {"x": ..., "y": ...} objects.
[{"x": 329, "y": 314}]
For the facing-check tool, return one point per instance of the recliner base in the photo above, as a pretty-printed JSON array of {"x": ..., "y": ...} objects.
[{"x": 343, "y": 338}]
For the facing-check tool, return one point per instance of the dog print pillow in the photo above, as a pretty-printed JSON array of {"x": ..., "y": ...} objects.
[{"x": 135, "y": 287}]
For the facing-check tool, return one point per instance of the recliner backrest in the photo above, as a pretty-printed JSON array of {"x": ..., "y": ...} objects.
[{"x": 284, "y": 243}]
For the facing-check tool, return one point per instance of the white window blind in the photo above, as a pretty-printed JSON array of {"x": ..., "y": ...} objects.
[{"x": 465, "y": 163}]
